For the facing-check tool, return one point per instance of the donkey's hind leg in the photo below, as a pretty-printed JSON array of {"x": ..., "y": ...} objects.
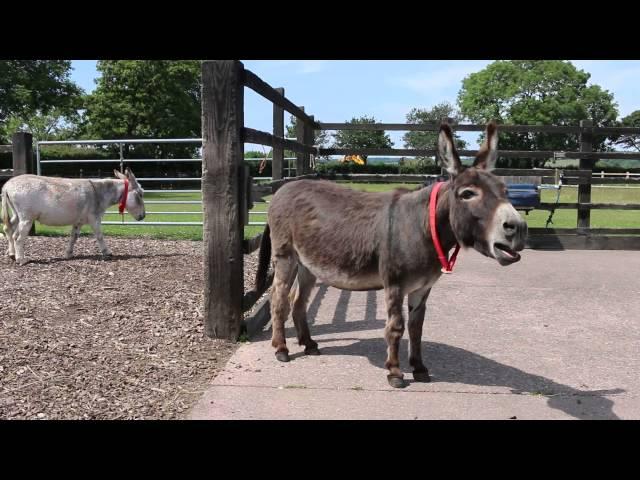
[
  {"x": 299, "y": 297},
  {"x": 285, "y": 266},
  {"x": 23, "y": 232},
  {"x": 11, "y": 232}
]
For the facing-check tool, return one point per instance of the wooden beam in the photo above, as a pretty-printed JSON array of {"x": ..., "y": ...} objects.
[
  {"x": 250, "y": 135},
  {"x": 23, "y": 162},
  {"x": 261, "y": 87},
  {"x": 592, "y": 206},
  {"x": 223, "y": 152},
  {"x": 434, "y": 127},
  {"x": 277, "y": 162},
  {"x": 584, "y": 231},
  {"x": 22, "y": 147},
  {"x": 583, "y": 242},
  {"x": 251, "y": 245},
  {"x": 398, "y": 152},
  {"x": 300, "y": 157},
  {"x": 584, "y": 190}
]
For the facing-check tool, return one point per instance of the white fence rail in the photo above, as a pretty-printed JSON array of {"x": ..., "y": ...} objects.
[{"x": 121, "y": 161}]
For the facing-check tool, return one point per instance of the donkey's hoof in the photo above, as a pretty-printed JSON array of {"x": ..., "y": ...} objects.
[
  {"x": 107, "y": 254},
  {"x": 22, "y": 261},
  {"x": 396, "y": 382},
  {"x": 282, "y": 356},
  {"x": 421, "y": 376},
  {"x": 312, "y": 351}
]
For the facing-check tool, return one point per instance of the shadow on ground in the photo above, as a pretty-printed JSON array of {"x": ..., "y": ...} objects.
[{"x": 451, "y": 364}]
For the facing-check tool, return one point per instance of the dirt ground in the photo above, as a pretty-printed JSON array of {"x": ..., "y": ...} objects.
[{"x": 88, "y": 338}]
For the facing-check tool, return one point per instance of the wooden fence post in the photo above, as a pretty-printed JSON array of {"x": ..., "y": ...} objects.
[
  {"x": 309, "y": 135},
  {"x": 584, "y": 191},
  {"x": 300, "y": 136},
  {"x": 277, "y": 162},
  {"x": 22, "y": 144},
  {"x": 222, "y": 190}
]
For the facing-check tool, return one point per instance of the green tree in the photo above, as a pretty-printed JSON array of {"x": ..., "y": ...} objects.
[
  {"x": 54, "y": 125},
  {"x": 530, "y": 92},
  {"x": 146, "y": 99},
  {"x": 630, "y": 140},
  {"x": 428, "y": 140},
  {"x": 33, "y": 89},
  {"x": 362, "y": 138}
]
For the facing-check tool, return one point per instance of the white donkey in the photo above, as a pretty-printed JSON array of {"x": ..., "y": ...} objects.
[{"x": 65, "y": 201}]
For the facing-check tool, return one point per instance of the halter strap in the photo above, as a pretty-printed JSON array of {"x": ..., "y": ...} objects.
[
  {"x": 447, "y": 265},
  {"x": 123, "y": 200}
]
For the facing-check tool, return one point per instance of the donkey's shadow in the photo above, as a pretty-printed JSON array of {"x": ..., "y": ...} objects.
[
  {"x": 451, "y": 364},
  {"x": 111, "y": 258}
]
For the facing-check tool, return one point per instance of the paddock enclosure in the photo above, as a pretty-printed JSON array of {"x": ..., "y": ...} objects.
[{"x": 142, "y": 335}]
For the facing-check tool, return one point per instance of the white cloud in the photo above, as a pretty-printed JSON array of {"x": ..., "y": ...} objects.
[
  {"x": 430, "y": 83},
  {"x": 312, "y": 66}
]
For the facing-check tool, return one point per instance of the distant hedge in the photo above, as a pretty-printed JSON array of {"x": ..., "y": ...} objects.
[{"x": 407, "y": 167}]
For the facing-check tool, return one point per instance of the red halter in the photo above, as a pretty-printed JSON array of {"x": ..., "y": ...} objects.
[
  {"x": 447, "y": 265},
  {"x": 123, "y": 200}
]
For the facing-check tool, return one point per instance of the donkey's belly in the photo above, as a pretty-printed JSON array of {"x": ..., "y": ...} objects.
[
  {"x": 60, "y": 220},
  {"x": 60, "y": 217},
  {"x": 338, "y": 278}
]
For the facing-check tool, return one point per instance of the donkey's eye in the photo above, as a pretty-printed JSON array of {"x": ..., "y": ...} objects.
[{"x": 467, "y": 194}]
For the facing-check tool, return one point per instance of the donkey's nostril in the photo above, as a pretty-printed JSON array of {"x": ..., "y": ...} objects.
[{"x": 508, "y": 226}]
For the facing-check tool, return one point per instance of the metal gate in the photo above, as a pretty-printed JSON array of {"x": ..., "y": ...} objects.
[{"x": 41, "y": 165}]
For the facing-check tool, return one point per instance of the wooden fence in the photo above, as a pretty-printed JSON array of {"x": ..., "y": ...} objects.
[
  {"x": 225, "y": 184},
  {"x": 23, "y": 161}
]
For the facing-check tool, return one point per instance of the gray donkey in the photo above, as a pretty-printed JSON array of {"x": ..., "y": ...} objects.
[
  {"x": 65, "y": 201},
  {"x": 369, "y": 241}
]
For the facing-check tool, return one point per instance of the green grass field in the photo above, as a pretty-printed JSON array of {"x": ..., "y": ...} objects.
[{"x": 561, "y": 219}]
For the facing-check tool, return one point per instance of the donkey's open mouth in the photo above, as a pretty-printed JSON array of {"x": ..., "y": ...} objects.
[{"x": 505, "y": 254}]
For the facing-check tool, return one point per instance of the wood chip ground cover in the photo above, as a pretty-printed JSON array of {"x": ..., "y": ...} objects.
[{"x": 122, "y": 338}]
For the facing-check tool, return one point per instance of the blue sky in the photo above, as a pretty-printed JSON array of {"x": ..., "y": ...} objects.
[{"x": 337, "y": 90}]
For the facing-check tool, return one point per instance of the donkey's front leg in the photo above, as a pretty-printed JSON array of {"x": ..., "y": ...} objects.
[
  {"x": 393, "y": 334},
  {"x": 417, "y": 307},
  {"x": 97, "y": 230}
]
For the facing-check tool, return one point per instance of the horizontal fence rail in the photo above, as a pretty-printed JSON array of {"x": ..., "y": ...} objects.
[
  {"x": 263, "y": 138},
  {"x": 545, "y": 154},
  {"x": 286, "y": 142},
  {"x": 261, "y": 87},
  {"x": 435, "y": 126}
]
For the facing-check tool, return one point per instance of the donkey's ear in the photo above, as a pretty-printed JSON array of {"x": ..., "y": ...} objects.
[
  {"x": 447, "y": 150},
  {"x": 119, "y": 175},
  {"x": 131, "y": 177},
  {"x": 488, "y": 153}
]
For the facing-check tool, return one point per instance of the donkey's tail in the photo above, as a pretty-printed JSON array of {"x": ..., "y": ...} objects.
[
  {"x": 264, "y": 260},
  {"x": 5, "y": 213}
]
